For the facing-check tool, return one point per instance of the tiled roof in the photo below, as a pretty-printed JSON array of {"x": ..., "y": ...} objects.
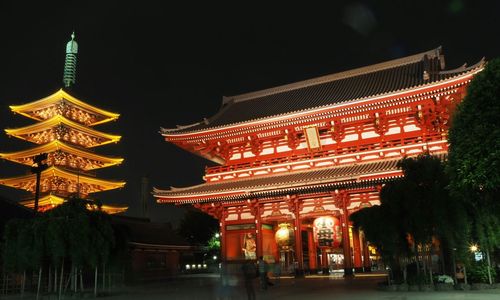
[
  {"x": 396, "y": 75},
  {"x": 304, "y": 181}
]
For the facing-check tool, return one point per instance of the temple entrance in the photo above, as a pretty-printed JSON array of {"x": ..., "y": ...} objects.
[
  {"x": 336, "y": 263},
  {"x": 314, "y": 245},
  {"x": 287, "y": 262}
]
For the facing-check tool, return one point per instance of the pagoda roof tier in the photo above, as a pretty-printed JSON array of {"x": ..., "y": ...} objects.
[
  {"x": 61, "y": 154},
  {"x": 63, "y": 104},
  {"x": 385, "y": 79},
  {"x": 60, "y": 128},
  {"x": 113, "y": 209},
  {"x": 316, "y": 180},
  {"x": 50, "y": 201},
  {"x": 62, "y": 182}
]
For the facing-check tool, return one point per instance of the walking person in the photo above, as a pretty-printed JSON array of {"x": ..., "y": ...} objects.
[
  {"x": 277, "y": 272},
  {"x": 262, "y": 264},
  {"x": 249, "y": 273}
]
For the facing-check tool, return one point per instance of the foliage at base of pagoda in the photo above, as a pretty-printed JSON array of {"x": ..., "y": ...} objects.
[{"x": 67, "y": 237}]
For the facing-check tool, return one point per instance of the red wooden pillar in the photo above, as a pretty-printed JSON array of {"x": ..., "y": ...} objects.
[
  {"x": 358, "y": 264},
  {"x": 367, "y": 266},
  {"x": 313, "y": 265},
  {"x": 258, "y": 229},
  {"x": 294, "y": 206},
  {"x": 345, "y": 234},
  {"x": 299, "y": 272},
  {"x": 324, "y": 262},
  {"x": 223, "y": 251},
  {"x": 221, "y": 214}
]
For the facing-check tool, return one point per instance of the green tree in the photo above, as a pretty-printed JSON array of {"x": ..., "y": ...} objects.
[
  {"x": 474, "y": 157},
  {"x": 67, "y": 234},
  {"x": 380, "y": 228},
  {"x": 423, "y": 198},
  {"x": 417, "y": 207}
]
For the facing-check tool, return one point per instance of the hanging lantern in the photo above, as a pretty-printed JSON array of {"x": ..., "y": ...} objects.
[
  {"x": 284, "y": 236},
  {"x": 327, "y": 232}
]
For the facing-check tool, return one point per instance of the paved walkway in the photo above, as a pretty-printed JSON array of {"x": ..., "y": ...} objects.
[{"x": 209, "y": 287}]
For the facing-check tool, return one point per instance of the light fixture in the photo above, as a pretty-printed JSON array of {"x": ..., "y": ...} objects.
[{"x": 284, "y": 236}]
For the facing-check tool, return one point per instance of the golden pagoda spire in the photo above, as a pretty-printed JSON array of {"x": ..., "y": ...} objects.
[{"x": 69, "y": 76}]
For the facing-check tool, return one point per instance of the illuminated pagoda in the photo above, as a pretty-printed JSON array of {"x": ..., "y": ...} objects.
[
  {"x": 64, "y": 133},
  {"x": 306, "y": 155}
]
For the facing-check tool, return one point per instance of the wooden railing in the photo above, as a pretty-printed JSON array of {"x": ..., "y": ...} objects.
[{"x": 353, "y": 148}]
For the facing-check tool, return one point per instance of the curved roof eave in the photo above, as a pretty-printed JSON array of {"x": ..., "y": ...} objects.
[
  {"x": 58, "y": 96},
  {"x": 176, "y": 131}
]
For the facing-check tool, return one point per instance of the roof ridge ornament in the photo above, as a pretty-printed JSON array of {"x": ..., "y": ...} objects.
[
  {"x": 388, "y": 64},
  {"x": 69, "y": 76}
]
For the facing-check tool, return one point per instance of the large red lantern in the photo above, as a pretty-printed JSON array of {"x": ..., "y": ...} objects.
[{"x": 327, "y": 232}]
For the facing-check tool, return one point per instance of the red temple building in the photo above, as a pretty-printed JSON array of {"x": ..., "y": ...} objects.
[{"x": 296, "y": 160}]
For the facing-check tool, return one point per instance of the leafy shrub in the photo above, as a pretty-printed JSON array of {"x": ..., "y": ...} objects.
[
  {"x": 444, "y": 279},
  {"x": 478, "y": 273}
]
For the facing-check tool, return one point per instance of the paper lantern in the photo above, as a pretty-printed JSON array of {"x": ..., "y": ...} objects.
[
  {"x": 284, "y": 236},
  {"x": 327, "y": 232}
]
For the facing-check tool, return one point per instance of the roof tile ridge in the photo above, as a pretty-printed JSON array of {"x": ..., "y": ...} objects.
[
  {"x": 176, "y": 189},
  {"x": 337, "y": 76},
  {"x": 476, "y": 66},
  {"x": 164, "y": 130},
  {"x": 46, "y": 98},
  {"x": 63, "y": 96},
  {"x": 464, "y": 68},
  {"x": 302, "y": 171},
  {"x": 226, "y": 104}
]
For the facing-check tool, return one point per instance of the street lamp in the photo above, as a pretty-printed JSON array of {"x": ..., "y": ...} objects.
[
  {"x": 39, "y": 165},
  {"x": 479, "y": 256}
]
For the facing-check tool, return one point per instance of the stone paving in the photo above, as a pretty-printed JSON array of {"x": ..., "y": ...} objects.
[{"x": 209, "y": 287}]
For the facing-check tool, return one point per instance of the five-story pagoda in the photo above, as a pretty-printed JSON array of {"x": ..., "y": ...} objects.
[{"x": 64, "y": 133}]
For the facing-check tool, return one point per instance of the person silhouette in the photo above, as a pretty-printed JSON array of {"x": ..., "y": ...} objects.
[
  {"x": 249, "y": 273},
  {"x": 262, "y": 264}
]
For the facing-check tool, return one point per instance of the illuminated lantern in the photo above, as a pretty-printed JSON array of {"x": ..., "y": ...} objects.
[
  {"x": 284, "y": 236},
  {"x": 327, "y": 232}
]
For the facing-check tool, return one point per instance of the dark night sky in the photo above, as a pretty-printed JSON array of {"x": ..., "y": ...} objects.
[{"x": 162, "y": 66}]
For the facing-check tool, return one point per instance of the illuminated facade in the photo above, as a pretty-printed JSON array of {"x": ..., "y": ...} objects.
[
  {"x": 309, "y": 154},
  {"x": 64, "y": 132}
]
